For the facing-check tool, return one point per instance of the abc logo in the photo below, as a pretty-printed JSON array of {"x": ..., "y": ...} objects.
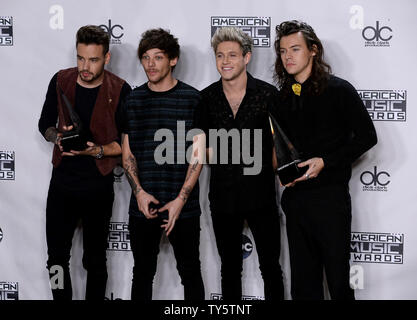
[
  {"x": 247, "y": 246},
  {"x": 1, "y": 235},
  {"x": 370, "y": 33},
  {"x": 375, "y": 178},
  {"x": 111, "y": 30}
]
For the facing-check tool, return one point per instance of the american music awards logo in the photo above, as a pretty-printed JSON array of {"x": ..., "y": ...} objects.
[
  {"x": 371, "y": 247},
  {"x": 385, "y": 105},
  {"x": 258, "y": 28},
  {"x": 6, "y": 31},
  {"x": 9, "y": 290},
  {"x": 119, "y": 237},
  {"x": 7, "y": 165}
]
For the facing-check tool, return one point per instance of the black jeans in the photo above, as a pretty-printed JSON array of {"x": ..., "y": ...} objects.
[
  {"x": 266, "y": 232},
  {"x": 318, "y": 228},
  {"x": 145, "y": 237},
  {"x": 63, "y": 211}
]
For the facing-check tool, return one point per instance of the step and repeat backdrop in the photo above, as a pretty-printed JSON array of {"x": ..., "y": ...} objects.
[{"x": 370, "y": 43}]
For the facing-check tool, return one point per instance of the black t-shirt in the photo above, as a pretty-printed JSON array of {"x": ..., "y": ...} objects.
[
  {"x": 147, "y": 113},
  {"x": 231, "y": 189},
  {"x": 78, "y": 172}
]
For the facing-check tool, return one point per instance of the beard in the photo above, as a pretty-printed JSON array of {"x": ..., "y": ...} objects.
[{"x": 91, "y": 76}]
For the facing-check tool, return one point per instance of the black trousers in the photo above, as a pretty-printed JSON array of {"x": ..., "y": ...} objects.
[
  {"x": 63, "y": 211},
  {"x": 319, "y": 230},
  {"x": 145, "y": 237},
  {"x": 266, "y": 232}
]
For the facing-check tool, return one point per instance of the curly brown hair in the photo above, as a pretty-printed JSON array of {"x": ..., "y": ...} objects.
[
  {"x": 161, "y": 39},
  {"x": 320, "y": 70}
]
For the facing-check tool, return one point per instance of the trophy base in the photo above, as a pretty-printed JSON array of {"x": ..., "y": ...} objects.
[
  {"x": 73, "y": 142},
  {"x": 289, "y": 172}
]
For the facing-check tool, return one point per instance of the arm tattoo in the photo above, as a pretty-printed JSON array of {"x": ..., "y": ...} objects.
[
  {"x": 194, "y": 166},
  {"x": 185, "y": 193},
  {"x": 191, "y": 170},
  {"x": 131, "y": 169},
  {"x": 186, "y": 190}
]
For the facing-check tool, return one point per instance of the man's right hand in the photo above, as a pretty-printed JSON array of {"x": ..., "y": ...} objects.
[
  {"x": 315, "y": 165},
  {"x": 144, "y": 199},
  {"x": 54, "y": 136},
  {"x": 59, "y": 142}
]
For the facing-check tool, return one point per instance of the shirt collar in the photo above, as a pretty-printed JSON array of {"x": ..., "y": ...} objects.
[
  {"x": 305, "y": 83},
  {"x": 250, "y": 84}
]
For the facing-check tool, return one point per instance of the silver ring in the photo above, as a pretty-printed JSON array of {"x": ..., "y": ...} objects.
[{"x": 307, "y": 176}]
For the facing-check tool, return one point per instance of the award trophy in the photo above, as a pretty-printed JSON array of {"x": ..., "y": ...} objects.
[
  {"x": 288, "y": 157},
  {"x": 73, "y": 139}
]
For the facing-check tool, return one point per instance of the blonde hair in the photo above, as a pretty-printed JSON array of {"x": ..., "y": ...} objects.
[{"x": 232, "y": 34}]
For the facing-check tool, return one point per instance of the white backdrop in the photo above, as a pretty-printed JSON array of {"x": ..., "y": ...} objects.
[{"x": 369, "y": 43}]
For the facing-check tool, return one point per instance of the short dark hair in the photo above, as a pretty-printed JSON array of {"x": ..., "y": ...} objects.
[
  {"x": 93, "y": 35},
  {"x": 320, "y": 70},
  {"x": 160, "y": 39}
]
